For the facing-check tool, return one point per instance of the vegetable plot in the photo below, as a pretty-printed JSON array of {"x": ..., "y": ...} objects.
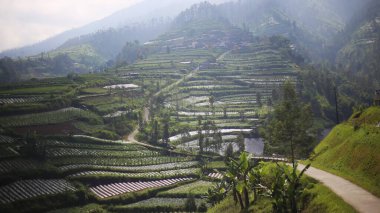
[
  {"x": 59, "y": 116},
  {"x": 105, "y": 191},
  {"x": 158, "y": 167},
  {"x": 215, "y": 175},
  {"x": 27, "y": 189},
  {"x": 6, "y": 140},
  {"x": 7, "y": 166},
  {"x": 15, "y": 100},
  {"x": 59, "y": 152},
  {"x": 152, "y": 175}
]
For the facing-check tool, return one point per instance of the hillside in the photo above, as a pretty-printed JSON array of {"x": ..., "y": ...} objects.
[
  {"x": 360, "y": 51},
  {"x": 351, "y": 150},
  {"x": 141, "y": 13}
]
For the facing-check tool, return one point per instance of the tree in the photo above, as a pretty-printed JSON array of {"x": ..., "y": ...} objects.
[
  {"x": 242, "y": 115},
  {"x": 275, "y": 95},
  {"x": 200, "y": 134},
  {"x": 240, "y": 142},
  {"x": 166, "y": 135},
  {"x": 217, "y": 140},
  {"x": 224, "y": 111},
  {"x": 258, "y": 99},
  {"x": 190, "y": 204},
  {"x": 287, "y": 189},
  {"x": 141, "y": 121},
  {"x": 211, "y": 100},
  {"x": 290, "y": 124},
  {"x": 240, "y": 177},
  {"x": 229, "y": 152},
  {"x": 269, "y": 102},
  {"x": 154, "y": 133}
]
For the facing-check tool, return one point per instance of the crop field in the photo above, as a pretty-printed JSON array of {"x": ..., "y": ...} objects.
[
  {"x": 156, "y": 167},
  {"x": 234, "y": 92},
  {"x": 215, "y": 175},
  {"x": 59, "y": 116},
  {"x": 99, "y": 145},
  {"x": 13, "y": 165},
  {"x": 19, "y": 100},
  {"x": 111, "y": 161},
  {"x": 114, "y": 113},
  {"x": 65, "y": 152},
  {"x": 157, "y": 204},
  {"x": 105, "y": 191},
  {"x": 6, "y": 139},
  {"x": 27, "y": 189},
  {"x": 196, "y": 189},
  {"x": 146, "y": 175}
]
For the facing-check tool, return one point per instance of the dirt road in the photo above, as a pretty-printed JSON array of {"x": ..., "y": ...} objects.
[{"x": 357, "y": 197}]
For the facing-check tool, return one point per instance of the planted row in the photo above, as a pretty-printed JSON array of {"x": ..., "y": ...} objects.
[
  {"x": 59, "y": 152},
  {"x": 143, "y": 175},
  {"x": 157, "y": 167},
  {"x": 100, "y": 146},
  {"x": 109, "y": 161},
  {"x": 19, "y": 100}
]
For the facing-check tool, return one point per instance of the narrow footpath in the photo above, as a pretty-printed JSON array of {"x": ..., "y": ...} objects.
[{"x": 357, "y": 197}]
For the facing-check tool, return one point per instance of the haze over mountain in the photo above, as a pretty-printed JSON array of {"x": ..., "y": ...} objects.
[{"x": 142, "y": 12}]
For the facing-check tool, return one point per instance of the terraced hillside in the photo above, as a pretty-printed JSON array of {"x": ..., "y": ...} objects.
[
  {"x": 234, "y": 91},
  {"x": 72, "y": 169},
  {"x": 148, "y": 134}
]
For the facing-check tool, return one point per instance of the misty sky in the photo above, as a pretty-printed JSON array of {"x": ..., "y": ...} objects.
[{"x": 25, "y": 22}]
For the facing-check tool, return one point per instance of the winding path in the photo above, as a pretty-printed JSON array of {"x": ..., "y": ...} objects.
[{"x": 357, "y": 197}]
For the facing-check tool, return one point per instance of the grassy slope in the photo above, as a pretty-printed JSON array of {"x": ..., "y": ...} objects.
[
  {"x": 324, "y": 200},
  {"x": 354, "y": 154}
]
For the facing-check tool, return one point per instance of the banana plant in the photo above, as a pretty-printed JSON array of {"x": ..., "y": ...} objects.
[
  {"x": 237, "y": 176},
  {"x": 287, "y": 189}
]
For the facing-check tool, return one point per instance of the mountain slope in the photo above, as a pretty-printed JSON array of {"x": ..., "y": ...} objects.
[
  {"x": 351, "y": 150},
  {"x": 360, "y": 51},
  {"x": 108, "y": 43},
  {"x": 143, "y": 12}
]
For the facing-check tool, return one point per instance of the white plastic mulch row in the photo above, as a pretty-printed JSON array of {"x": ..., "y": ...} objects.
[
  {"x": 215, "y": 175},
  {"x": 104, "y": 191},
  {"x": 19, "y": 100},
  {"x": 27, "y": 189}
]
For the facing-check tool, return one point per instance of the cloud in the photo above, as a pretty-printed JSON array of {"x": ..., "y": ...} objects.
[{"x": 25, "y": 22}]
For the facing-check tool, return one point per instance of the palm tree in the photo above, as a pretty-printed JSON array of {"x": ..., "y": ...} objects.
[{"x": 211, "y": 100}]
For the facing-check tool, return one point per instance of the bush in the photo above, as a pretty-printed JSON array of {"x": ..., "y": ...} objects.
[
  {"x": 190, "y": 204},
  {"x": 105, "y": 134},
  {"x": 202, "y": 207}
]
